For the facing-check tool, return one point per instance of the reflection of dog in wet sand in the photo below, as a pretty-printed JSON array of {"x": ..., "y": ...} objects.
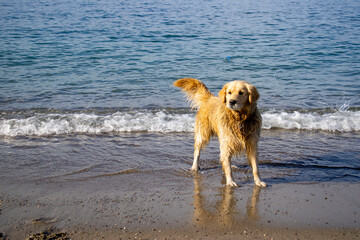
[
  {"x": 224, "y": 213},
  {"x": 233, "y": 117}
]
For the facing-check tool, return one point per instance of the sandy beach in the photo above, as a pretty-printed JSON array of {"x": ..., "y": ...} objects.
[{"x": 160, "y": 206}]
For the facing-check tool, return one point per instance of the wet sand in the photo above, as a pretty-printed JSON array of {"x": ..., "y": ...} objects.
[{"x": 156, "y": 205}]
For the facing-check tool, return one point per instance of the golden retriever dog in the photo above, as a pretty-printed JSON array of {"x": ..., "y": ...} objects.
[{"x": 233, "y": 117}]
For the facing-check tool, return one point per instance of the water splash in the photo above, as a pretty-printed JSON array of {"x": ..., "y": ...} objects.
[{"x": 345, "y": 106}]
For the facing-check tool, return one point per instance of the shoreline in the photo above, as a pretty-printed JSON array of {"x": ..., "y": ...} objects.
[
  {"x": 138, "y": 186},
  {"x": 295, "y": 210}
]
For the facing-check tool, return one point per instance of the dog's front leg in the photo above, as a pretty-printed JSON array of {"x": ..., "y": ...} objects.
[
  {"x": 225, "y": 159},
  {"x": 252, "y": 158}
]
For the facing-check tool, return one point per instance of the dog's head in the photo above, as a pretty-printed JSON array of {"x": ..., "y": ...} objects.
[{"x": 239, "y": 96}]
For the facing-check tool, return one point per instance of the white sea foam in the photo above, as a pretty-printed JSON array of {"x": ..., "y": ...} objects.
[
  {"x": 44, "y": 124},
  {"x": 57, "y": 124},
  {"x": 339, "y": 121}
]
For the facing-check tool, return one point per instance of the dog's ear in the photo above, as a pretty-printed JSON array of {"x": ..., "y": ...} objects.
[
  {"x": 253, "y": 93},
  {"x": 222, "y": 93}
]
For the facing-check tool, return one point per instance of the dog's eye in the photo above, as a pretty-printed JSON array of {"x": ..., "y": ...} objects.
[
  {"x": 229, "y": 92},
  {"x": 241, "y": 93}
]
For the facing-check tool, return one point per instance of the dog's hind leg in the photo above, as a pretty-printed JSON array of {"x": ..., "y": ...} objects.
[
  {"x": 199, "y": 144},
  {"x": 201, "y": 140},
  {"x": 196, "y": 166}
]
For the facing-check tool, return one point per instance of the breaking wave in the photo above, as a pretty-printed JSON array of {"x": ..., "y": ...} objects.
[
  {"x": 339, "y": 121},
  {"x": 161, "y": 121}
]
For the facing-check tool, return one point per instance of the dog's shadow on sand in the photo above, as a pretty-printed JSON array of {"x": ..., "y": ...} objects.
[{"x": 223, "y": 212}]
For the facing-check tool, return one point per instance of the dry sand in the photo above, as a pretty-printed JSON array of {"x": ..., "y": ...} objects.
[{"x": 152, "y": 206}]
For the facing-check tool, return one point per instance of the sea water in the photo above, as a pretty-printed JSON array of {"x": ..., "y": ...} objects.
[{"x": 86, "y": 86}]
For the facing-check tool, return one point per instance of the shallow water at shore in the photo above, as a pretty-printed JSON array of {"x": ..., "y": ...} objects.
[{"x": 285, "y": 156}]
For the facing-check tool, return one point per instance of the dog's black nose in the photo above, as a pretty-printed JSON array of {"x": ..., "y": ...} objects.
[{"x": 232, "y": 102}]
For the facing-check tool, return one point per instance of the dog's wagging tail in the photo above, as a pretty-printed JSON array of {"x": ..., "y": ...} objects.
[
  {"x": 195, "y": 90},
  {"x": 233, "y": 117}
]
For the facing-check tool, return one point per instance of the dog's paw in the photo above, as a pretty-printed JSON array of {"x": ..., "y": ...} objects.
[
  {"x": 194, "y": 169},
  {"x": 234, "y": 167},
  {"x": 232, "y": 184},
  {"x": 260, "y": 184}
]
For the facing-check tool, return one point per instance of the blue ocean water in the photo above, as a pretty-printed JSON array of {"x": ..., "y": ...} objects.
[
  {"x": 107, "y": 67},
  {"x": 126, "y": 54}
]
